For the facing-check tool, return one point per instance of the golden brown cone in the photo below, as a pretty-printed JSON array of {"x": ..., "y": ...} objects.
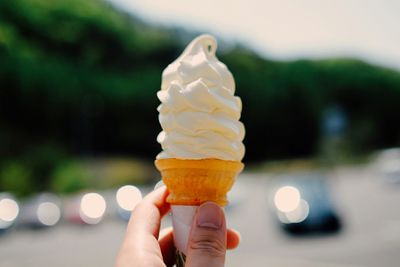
[{"x": 193, "y": 182}]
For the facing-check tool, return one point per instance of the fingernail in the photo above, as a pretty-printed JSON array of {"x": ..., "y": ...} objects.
[{"x": 209, "y": 215}]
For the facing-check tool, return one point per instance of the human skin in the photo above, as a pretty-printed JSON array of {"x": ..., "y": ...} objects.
[{"x": 145, "y": 246}]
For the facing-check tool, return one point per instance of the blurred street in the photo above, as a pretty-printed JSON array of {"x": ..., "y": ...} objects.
[
  {"x": 91, "y": 91},
  {"x": 370, "y": 237}
]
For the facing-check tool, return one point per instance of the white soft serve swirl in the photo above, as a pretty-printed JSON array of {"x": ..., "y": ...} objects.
[{"x": 199, "y": 113}]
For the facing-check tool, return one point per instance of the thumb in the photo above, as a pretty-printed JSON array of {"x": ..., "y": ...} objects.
[{"x": 207, "y": 240}]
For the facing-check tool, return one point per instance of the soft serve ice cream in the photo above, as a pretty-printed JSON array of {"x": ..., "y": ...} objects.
[
  {"x": 202, "y": 135},
  {"x": 199, "y": 113}
]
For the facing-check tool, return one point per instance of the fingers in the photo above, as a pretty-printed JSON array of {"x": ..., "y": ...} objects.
[
  {"x": 140, "y": 244},
  {"x": 208, "y": 237},
  {"x": 168, "y": 248},
  {"x": 147, "y": 215},
  {"x": 166, "y": 241},
  {"x": 232, "y": 239},
  {"x": 208, "y": 242}
]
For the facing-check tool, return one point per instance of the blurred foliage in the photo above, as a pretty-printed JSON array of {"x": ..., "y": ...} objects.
[
  {"x": 72, "y": 176},
  {"x": 79, "y": 79},
  {"x": 16, "y": 178},
  {"x": 115, "y": 172},
  {"x": 284, "y": 103}
]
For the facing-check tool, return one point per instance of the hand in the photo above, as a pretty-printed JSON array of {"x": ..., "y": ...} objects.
[{"x": 145, "y": 246}]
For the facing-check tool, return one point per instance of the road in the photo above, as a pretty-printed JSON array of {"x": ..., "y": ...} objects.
[{"x": 371, "y": 235}]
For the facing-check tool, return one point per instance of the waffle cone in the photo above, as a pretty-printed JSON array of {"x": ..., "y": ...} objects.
[{"x": 193, "y": 182}]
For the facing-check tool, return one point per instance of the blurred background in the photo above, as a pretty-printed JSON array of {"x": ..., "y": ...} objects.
[{"x": 320, "y": 86}]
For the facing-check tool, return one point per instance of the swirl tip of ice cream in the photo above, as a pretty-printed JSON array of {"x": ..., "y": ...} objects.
[{"x": 199, "y": 60}]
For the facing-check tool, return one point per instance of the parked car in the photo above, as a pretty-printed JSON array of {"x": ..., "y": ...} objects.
[{"x": 303, "y": 205}]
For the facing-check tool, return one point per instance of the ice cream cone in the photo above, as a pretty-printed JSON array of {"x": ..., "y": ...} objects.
[
  {"x": 202, "y": 137},
  {"x": 193, "y": 182}
]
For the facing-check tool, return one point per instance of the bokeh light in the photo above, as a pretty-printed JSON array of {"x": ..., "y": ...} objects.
[
  {"x": 48, "y": 213},
  {"x": 128, "y": 197},
  {"x": 9, "y": 210},
  {"x": 299, "y": 214},
  {"x": 287, "y": 198},
  {"x": 92, "y": 208}
]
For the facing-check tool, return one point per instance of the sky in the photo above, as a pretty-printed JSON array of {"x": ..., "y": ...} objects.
[{"x": 288, "y": 29}]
